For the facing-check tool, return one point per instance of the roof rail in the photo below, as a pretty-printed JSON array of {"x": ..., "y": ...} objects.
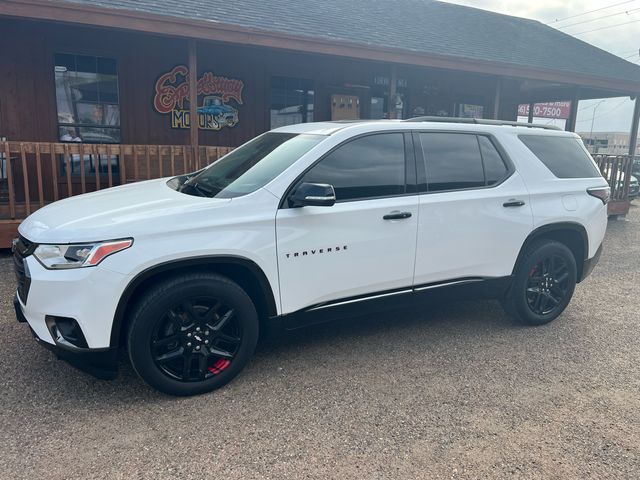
[{"x": 480, "y": 121}]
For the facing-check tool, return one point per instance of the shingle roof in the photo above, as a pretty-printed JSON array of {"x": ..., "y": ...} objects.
[{"x": 417, "y": 26}]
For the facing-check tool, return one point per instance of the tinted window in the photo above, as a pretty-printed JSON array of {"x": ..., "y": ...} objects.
[
  {"x": 564, "y": 156},
  {"x": 252, "y": 165},
  {"x": 371, "y": 166},
  {"x": 453, "y": 161},
  {"x": 494, "y": 167}
]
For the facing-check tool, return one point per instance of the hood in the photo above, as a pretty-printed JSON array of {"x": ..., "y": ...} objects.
[{"x": 112, "y": 213}]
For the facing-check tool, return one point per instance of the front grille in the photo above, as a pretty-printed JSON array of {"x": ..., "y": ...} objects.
[
  {"x": 24, "y": 247},
  {"x": 21, "y": 250}
]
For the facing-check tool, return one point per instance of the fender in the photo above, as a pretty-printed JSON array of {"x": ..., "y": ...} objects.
[
  {"x": 200, "y": 261},
  {"x": 555, "y": 227}
]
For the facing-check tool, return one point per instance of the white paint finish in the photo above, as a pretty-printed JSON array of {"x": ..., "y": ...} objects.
[
  {"x": 89, "y": 295},
  {"x": 380, "y": 254},
  {"x": 116, "y": 213},
  {"x": 449, "y": 235},
  {"x": 570, "y": 203},
  {"x": 470, "y": 234}
]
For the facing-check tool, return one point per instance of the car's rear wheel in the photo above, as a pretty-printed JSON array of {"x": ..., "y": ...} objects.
[
  {"x": 192, "y": 333},
  {"x": 543, "y": 283}
]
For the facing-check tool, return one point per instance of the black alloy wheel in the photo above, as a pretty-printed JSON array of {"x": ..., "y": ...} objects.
[
  {"x": 548, "y": 285},
  {"x": 196, "y": 339},
  {"x": 543, "y": 283},
  {"x": 192, "y": 333}
]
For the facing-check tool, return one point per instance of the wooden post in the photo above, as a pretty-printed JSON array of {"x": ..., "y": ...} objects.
[
  {"x": 633, "y": 139},
  {"x": 570, "y": 124},
  {"x": 496, "y": 100},
  {"x": 393, "y": 82},
  {"x": 531, "y": 107},
  {"x": 193, "y": 98}
]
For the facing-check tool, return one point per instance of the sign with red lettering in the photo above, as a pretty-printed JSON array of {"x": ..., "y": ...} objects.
[
  {"x": 559, "y": 110},
  {"x": 215, "y": 94}
]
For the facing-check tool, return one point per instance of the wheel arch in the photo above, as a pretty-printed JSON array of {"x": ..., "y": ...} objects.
[
  {"x": 571, "y": 234},
  {"x": 243, "y": 271}
]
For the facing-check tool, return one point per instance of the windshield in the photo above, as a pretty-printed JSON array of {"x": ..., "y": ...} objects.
[{"x": 251, "y": 166}]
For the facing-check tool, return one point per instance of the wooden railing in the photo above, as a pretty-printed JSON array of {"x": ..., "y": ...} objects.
[
  {"x": 33, "y": 174},
  {"x": 617, "y": 170}
]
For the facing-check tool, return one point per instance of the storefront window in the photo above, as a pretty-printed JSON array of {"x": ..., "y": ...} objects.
[
  {"x": 88, "y": 104},
  {"x": 291, "y": 101},
  {"x": 381, "y": 107},
  {"x": 87, "y": 99}
]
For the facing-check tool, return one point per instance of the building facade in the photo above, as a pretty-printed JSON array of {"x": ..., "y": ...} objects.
[
  {"x": 608, "y": 143},
  {"x": 107, "y": 92}
]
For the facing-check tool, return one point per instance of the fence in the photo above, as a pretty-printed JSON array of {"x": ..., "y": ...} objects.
[
  {"x": 616, "y": 169},
  {"x": 33, "y": 174}
]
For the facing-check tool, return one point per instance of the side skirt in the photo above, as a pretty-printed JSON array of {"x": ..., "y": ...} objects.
[{"x": 410, "y": 297}]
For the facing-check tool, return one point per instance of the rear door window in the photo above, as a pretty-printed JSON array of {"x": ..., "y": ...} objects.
[
  {"x": 453, "y": 161},
  {"x": 564, "y": 156}
]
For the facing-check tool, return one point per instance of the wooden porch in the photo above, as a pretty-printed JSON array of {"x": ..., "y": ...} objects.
[{"x": 33, "y": 174}]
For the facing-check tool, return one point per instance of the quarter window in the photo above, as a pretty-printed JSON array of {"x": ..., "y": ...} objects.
[
  {"x": 564, "y": 156},
  {"x": 494, "y": 167},
  {"x": 453, "y": 161},
  {"x": 371, "y": 166}
]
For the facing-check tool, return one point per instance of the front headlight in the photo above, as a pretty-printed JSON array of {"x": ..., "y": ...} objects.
[{"x": 56, "y": 257}]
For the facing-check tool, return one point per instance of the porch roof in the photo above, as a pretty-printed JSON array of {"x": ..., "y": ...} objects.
[{"x": 459, "y": 36}]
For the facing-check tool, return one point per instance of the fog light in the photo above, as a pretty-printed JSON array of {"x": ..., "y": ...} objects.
[{"x": 66, "y": 331}]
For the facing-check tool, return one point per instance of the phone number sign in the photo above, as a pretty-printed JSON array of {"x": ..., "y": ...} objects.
[{"x": 559, "y": 110}]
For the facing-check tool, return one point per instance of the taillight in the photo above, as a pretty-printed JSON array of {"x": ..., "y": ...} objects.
[{"x": 603, "y": 193}]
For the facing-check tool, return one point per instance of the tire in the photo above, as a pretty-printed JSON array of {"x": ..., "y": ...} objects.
[
  {"x": 543, "y": 284},
  {"x": 192, "y": 333}
]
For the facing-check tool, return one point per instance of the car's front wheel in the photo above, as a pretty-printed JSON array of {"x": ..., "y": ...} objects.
[
  {"x": 192, "y": 333},
  {"x": 543, "y": 284}
]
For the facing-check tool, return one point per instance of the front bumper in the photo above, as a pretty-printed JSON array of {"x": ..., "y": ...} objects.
[{"x": 99, "y": 362}]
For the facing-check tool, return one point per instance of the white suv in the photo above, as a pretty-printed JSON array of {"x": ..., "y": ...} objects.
[{"x": 307, "y": 223}]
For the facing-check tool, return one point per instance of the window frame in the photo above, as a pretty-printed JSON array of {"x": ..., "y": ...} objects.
[
  {"x": 421, "y": 161},
  {"x": 77, "y": 126},
  {"x": 292, "y": 77},
  {"x": 410, "y": 169}
]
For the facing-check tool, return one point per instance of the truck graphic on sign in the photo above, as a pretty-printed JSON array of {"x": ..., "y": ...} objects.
[
  {"x": 172, "y": 98},
  {"x": 224, "y": 114}
]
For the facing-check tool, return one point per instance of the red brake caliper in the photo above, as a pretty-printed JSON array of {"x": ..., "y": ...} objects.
[{"x": 219, "y": 366}]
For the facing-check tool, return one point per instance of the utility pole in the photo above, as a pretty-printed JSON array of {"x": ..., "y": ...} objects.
[{"x": 593, "y": 117}]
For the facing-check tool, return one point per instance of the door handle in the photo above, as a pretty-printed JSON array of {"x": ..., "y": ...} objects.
[
  {"x": 513, "y": 203},
  {"x": 395, "y": 215}
]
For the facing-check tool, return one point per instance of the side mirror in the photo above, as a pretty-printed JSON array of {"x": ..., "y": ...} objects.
[{"x": 313, "y": 195}]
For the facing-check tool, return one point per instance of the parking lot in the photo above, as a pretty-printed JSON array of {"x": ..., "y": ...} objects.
[{"x": 455, "y": 391}]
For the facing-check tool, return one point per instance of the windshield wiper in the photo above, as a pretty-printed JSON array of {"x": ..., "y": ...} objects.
[
  {"x": 205, "y": 192},
  {"x": 196, "y": 187}
]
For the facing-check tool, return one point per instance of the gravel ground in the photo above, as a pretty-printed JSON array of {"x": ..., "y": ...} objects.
[{"x": 457, "y": 391}]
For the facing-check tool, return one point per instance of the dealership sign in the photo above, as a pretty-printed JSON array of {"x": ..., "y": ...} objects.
[
  {"x": 218, "y": 98},
  {"x": 558, "y": 110}
]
